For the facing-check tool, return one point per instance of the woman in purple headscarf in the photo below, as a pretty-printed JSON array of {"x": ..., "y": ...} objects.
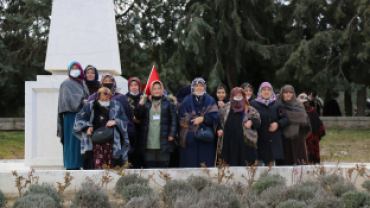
[
  {"x": 73, "y": 93},
  {"x": 273, "y": 119}
]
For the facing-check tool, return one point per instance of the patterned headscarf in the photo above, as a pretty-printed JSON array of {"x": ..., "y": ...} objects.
[
  {"x": 259, "y": 94},
  {"x": 237, "y": 106},
  {"x": 134, "y": 79},
  {"x": 80, "y": 78},
  {"x": 114, "y": 87},
  {"x": 104, "y": 92},
  {"x": 195, "y": 82},
  {"x": 91, "y": 83}
]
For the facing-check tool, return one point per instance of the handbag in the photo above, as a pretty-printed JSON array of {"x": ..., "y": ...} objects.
[
  {"x": 102, "y": 135},
  {"x": 205, "y": 134}
]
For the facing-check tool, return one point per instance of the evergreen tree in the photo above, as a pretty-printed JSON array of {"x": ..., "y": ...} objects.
[
  {"x": 312, "y": 44},
  {"x": 333, "y": 53},
  {"x": 144, "y": 32},
  {"x": 24, "y": 26}
]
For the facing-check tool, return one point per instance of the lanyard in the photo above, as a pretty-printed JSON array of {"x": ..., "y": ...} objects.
[{"x": 156, "y": 107}]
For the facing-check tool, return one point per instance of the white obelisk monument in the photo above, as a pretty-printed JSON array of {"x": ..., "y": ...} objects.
[{"x": 80, "y": 30}]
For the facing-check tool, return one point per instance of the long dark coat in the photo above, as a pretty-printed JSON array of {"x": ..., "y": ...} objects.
[{"x": 270, "y": 146}]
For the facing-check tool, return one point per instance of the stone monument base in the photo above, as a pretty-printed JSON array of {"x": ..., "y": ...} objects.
[{"x": 43, "y": 149}]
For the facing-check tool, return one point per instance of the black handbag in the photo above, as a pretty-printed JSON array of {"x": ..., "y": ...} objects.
[
  {"x": 102, "y": 135},
  {"x": 205, "y": 134}
]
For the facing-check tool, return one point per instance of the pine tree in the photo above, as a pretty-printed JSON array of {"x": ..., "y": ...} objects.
[
  {"x": 24, "y": 26},
  {"x": 144, "y": 31},
  {"x": 334, "y": 52}
]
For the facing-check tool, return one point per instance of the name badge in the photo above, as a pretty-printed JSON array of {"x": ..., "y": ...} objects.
[{"x": 156, "y": 117}]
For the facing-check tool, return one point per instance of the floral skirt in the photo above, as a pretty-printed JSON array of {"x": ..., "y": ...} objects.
[{"x": 103, "y": 155}]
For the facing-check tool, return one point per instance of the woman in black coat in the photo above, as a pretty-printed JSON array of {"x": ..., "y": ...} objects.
[
  {"x": 273, "y": 119},
  {"x": 158, "y": 126}
]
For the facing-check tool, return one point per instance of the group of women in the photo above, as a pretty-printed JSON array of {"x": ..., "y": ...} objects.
[{"x": 186, "y": 130}]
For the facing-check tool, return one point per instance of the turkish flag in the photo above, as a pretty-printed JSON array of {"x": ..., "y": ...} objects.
[{"x": 152, "y": 77}]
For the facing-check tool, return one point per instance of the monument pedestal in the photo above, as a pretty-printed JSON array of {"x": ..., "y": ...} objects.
[
  {"x": 43, "y": 147},
  {"x": 80, "y": 30}
]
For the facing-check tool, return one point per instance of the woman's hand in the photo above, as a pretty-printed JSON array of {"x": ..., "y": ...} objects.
[
  {"x": 273, "y": 127},
  {"x": 220, "y": 133},
  {"x": 170, "y": 139},
  {"x": 142, "y": 101},
  {"x": 197, "y": 121},
  {"x": 220, "y": 103},
  {"x": 136, "y": 121},
  {"x": 111, "y": 123},
  {"x": 248, "y": 125},
  {"x": 90, "y": 131},
  {"x": 85, "y": 101}
]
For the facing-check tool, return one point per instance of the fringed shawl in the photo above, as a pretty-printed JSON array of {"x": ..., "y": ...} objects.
[
  {"x": 84, "y": 119},
  {"x": 187, "y": 113},
  {"x": 298, "y": 118},
  {"x": 250, "y": 135}
]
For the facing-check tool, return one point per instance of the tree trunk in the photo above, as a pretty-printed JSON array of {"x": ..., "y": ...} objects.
[
  {"x": 348, "y": 103},
  {"x": 230, "y": 69},
  {"x": 361, "y": 101}
]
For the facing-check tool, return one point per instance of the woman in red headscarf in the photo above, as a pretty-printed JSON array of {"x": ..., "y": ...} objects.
[
  {"x": 237, "y": 133},
  {"x": 159, "y": 126}
]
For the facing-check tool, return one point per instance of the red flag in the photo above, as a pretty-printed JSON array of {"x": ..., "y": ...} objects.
[{"x": 152, "y": 77}]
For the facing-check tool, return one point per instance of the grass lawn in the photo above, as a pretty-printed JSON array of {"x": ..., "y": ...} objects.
[
  {"x": 11, "y": 144},
  {"x": 345, "y": 145}
]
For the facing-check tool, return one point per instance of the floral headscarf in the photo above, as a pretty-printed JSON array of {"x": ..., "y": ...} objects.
[
  {"x": 104, "y": 92},
  {"x": 195, "y": 82},
  {"x": 259, "y": 94},
  {"x": 114, "y": 87}
]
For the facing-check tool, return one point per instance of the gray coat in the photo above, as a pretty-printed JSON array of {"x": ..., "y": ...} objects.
[
  {"x": 84, "y": 120},
  {"x": 71, "y": 99}
]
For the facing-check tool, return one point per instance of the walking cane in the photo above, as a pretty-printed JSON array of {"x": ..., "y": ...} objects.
[{"x": 218, "y": 139}]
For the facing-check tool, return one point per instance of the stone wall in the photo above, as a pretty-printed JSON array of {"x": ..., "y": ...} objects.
[
  {"x": 346, "y": 122},
  {"x": 11, "y": 124},
  {"x": 17, "y": 124},
  {"x": 292, "y": 174}
]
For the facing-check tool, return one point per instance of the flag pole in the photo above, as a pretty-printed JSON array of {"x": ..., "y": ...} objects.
[{"x": 148, "y": 80}]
